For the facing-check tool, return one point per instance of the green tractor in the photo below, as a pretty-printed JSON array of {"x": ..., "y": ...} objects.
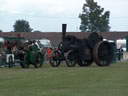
[
  {"x": 31, "y": 55},
  {"x": 25, "y": 53}
]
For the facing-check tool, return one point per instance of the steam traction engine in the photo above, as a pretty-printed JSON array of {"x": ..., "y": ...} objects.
[{"x": 85, "y": 51}]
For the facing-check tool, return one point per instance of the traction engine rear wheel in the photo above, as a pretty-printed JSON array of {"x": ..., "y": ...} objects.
[{"x": 103, "y": 53}]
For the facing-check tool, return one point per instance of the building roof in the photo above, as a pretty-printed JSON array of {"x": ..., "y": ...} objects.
[{"x": 55, "y": 37}]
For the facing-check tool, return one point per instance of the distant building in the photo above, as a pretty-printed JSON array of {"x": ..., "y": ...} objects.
[{"x": 55, "y": 37}]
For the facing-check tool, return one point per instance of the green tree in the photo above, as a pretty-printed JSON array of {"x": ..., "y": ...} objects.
[
  {"x": 37, "y": 31},
  {"x": 93, "y": 18},
  {"x": 1, "y": 30},
  {"x": 22, "y": 26}
]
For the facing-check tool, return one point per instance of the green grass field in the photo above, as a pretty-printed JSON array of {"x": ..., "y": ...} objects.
[{"x": 65, "y": 81}]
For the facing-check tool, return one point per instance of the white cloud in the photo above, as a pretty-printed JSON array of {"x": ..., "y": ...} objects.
[
  {"x": 10, "y": 6},
  {"x": 57, "y": 8},
  {"x": 116, "y": 7},
  {"x": 51, "y": 7}
]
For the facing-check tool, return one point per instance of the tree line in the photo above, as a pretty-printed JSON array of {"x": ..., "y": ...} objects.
[{"x": 22, "y": 26}]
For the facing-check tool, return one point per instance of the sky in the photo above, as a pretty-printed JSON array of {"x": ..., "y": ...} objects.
[{"x": 49, "y": 15}]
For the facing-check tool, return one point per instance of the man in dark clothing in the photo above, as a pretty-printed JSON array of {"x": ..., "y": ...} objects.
[{"x": 120, "y": 53}]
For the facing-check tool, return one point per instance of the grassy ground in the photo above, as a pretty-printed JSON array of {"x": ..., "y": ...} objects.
[{"x": 65, "y": 81}]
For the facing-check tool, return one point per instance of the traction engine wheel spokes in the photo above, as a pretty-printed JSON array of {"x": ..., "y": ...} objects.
[
  {"x": 84, "y": 63},
  {"x": 54, "y": 63},
  {"x": 25, "y": 63},
  {"x": 10, "y": 61},
  {"x": 53, "y": 59},
  {"x": 39, "y": 60},
  {"x": 70, "y": 61},
  {"x": 103, "y": 53}
]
